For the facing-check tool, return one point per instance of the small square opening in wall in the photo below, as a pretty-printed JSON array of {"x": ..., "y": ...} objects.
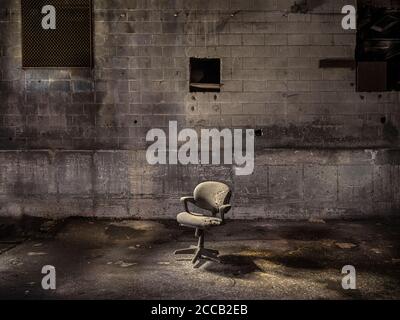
[
  {"x": 378, "y": 47},
  {"x": 205, "y": 75}
]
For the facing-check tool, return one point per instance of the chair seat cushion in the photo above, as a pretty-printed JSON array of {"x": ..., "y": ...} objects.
[{"x": 197, "y": 220}]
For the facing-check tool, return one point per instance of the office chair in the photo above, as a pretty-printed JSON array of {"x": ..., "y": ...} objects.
[{"x": 211, "y": 196}]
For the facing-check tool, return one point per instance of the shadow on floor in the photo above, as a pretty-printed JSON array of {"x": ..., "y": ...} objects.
[
  {"x": 232, "y": 265},
  {"x": 259, "y": 259}
]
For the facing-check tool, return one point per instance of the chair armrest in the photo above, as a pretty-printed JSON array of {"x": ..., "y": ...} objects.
[
  {"x": 185, "y": 200},
  {"x": 224, "y": 209}
]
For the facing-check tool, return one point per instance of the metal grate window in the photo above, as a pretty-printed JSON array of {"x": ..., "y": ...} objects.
[{"x": 68, "y": 45}]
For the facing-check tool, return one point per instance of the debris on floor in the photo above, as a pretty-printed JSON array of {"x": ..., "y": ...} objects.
[
  {"x": 123, "y": 264},
  {"x": 316, "y": 220},
  {"x": 36, "y": 253},
  {"x": 345, "y": 245},
  {"x": 98, "y": 259}
]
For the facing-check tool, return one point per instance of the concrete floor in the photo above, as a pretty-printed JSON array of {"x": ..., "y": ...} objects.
[{"x": 97, "y": 259}]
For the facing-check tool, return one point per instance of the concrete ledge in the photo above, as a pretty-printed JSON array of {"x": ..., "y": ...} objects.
[{"x": 286, "y": 184}]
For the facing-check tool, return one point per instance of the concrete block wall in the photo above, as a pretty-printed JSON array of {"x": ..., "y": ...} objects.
[
  {"x": 287, "y": 184},
  {"x": 73, "y": 140}
]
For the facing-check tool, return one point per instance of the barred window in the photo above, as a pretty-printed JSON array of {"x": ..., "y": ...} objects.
[{"x": 56, "y": 33}]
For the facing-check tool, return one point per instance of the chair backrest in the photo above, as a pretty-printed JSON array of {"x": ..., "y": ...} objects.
[{"x": 210, "y": 195}]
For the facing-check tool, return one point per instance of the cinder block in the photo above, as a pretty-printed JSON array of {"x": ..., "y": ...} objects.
[
  {"x": 247, "y": 51},
  {"x": 273, "y": 63},
  {"x": 232, "y": 86},
  {"x": 241, "y": 27},
  {"x": 230, "y": 39},
  {"x": 254, "y": 86},
  {"x": 288, "y": 51},
  {"x": 253, "y": 39},
  {"x": 298, "y": 39},
  {"x": 234, "y": 108},
  {"x": 264, "y": 27},
  {"x": 276, "y": 39},
  {"x": 298, "y": 85},
  {"x": 263, "y": 51},
  {"x": 344, "y": 39},
  {"x": 254, "y": 108},
  {"x": 265, "y": 5}
]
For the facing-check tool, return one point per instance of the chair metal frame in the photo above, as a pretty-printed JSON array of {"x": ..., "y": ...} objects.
[{"x": 216, "y": 208}]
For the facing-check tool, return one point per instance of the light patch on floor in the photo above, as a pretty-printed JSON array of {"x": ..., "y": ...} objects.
[{"x": 102, "y": 259}]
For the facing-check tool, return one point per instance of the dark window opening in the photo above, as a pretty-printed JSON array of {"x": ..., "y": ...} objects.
[
  {"x": 205, "y": 75},
  {"x": 378, "y": 49},
  {"x": 67, "y": 43}
]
